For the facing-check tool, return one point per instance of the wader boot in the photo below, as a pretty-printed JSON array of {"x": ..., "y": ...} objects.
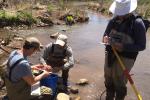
[
  {"x": 110, "y": 92},
  {"x": 65, "y": 74},
  {"x": 18, "y": 91},
  {"x": 121, "y": 93}
]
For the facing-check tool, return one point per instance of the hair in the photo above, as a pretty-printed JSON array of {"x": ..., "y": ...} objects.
[{"x": 28, "y": 45}]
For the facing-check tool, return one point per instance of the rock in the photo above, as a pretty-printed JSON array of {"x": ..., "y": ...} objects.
[
  {"x": 18, "y": 39},
  {"x": 38, "y": 6},
  {"x": 78, "y": 98},
  {"x": 55, "y": 35},
  {"x": 74, "y": 90},
  {"x": 75, "y": 97},
  {"x": 82, "y": 82},
  {"x": 63, "y": 96},
  {"x": 2, "y": 83},
  {"x": 41, "y": 24}
]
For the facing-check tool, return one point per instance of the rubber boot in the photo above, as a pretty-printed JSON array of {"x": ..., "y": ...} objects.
[
  {"x": 110, "y": 92},
  {"x": 65, "y": 75},
  {"x": 121, "y": 93},
  {"x": 110, "y": 96}
]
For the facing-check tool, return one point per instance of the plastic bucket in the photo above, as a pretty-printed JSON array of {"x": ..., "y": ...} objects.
[{"x": 50, "y": 81}]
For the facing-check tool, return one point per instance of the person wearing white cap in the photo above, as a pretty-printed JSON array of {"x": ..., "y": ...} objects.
[
  {"x": 59, "y": 56},
  {"x": 19, "y": 77},
  {"x": 127, "y": 35}
]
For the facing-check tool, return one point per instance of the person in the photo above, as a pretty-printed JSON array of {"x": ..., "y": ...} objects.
[
  {"x": 59, "y": 56},
  {"x": 19, "y": 77},
  {"x": 127, "y": 35}
]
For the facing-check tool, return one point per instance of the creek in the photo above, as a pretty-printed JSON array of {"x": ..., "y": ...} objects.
[{"x": 89, "y": 56}]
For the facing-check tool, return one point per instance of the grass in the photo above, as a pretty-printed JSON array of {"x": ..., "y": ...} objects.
[
  {"x": 143, "y": 7},
  {"x": 22, "y": 17}
]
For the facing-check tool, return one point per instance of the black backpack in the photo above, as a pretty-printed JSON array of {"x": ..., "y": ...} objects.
[{"x": 145, "y": 21}]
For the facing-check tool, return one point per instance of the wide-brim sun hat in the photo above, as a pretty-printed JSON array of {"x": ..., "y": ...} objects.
[{"x": 123, "y": 7}]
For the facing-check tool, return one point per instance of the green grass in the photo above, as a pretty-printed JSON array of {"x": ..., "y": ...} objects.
[
  {"x": 145, "y": 2},
  {"x": 16, "y": 19}
]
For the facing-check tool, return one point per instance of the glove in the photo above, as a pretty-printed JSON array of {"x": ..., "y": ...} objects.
[{"x": 66, "y": 66}]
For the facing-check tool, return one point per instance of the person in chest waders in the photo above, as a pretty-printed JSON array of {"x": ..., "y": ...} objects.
[
  {"x": 127, "y": 35},
  {"x": 19, "y": 77},
  {"x": 59, "y": 56}
]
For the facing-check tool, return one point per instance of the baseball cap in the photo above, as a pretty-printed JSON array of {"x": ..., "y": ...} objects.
[
  {"x": 34, "y": 42},
  {"x": 61, "y": 40}
]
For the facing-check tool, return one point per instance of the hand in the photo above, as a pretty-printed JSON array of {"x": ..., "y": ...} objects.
[
  {"x": 46, "y": 73},
  {"x": 106, "y": 40},
  {"x": 118, "y": 46},
  {"x": 47, "y": 68},
  {"x": 65, "y": 68},
  {"x": 37, "y": 67}
]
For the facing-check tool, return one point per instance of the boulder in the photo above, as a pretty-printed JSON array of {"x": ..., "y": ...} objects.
[
  {"x": 82, "y": 82},
  {"x": 74, "y": 90},
  {"x": 63, "y": 96}
]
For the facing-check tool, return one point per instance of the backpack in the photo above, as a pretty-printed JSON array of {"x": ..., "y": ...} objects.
[{"x": 145, "y": 21}]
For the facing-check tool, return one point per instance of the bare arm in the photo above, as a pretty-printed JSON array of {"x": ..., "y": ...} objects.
[{"x": 32, "y": 80}]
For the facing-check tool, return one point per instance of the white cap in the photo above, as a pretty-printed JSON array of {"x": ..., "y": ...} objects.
[{"x": 61, "y": 40}]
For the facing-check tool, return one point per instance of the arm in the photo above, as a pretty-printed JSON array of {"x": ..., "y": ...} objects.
[
  {"x": 105, "y": 38},
  {"x": 32, "y": 80},
  {"x": 70, "y": 59},
  {"x": 139, "y": 37},
  {"x": 24, "y": 72},
  {"x": 45, "y": 55}
]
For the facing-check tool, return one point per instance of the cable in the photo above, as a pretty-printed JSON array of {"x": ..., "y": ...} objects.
[{"x": 102, "y": 94}]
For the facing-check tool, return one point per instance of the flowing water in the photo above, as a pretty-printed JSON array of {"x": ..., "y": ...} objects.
[{"x": 89, "y": 55}]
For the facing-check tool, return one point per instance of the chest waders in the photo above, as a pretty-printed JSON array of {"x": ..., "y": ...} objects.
[
  {"x": 126, "y": 73},
  {"x": 18, "y": 91},
  {"x": 56, "y": 60}
]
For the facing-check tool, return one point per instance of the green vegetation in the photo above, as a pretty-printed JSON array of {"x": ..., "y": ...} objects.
[
  {"x": 26, "y": 17},
  {"x": 62, "y": 4},
  {"x": 11, "y": 19},
  {"x": 50, "y": 8},
  {"x": 143, "y": 7},
  {"x": 144, "y": 2}
]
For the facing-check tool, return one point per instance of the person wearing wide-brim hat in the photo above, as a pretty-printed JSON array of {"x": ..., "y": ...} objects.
[{"x": 127, "y": 35}]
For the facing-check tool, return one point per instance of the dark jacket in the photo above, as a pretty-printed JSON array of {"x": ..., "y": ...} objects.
[{"x": 135, "y": 29}]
